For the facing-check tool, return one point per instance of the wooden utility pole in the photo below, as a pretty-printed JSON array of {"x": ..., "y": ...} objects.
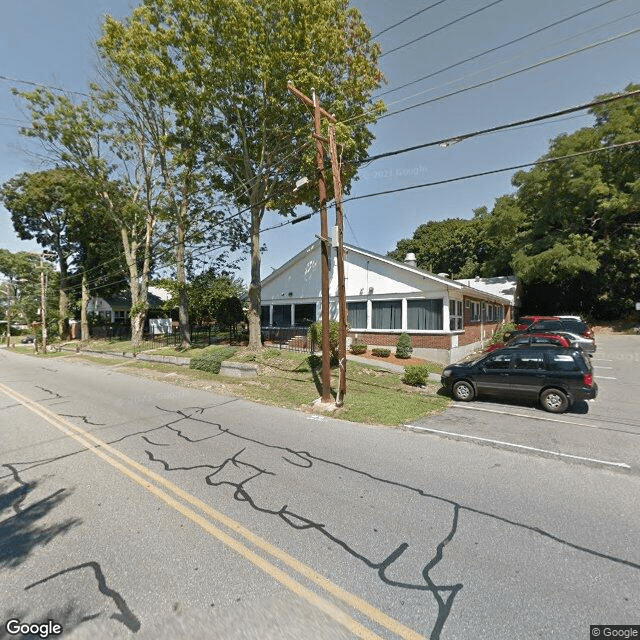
[
  {"x": 318, "y": 114},
  {"x": 342, "y": 302}
]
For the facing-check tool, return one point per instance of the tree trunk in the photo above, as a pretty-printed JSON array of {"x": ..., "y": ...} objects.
[
  {"x": 183, "y": 306},
  {"x": 84, "y": 319},
  {"x": 253, "y": 314}
]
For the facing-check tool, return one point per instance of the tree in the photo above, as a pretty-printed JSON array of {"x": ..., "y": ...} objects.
[
  {"x": 453, "y": 246},
  {"x": 19, "y": 287},
  {"x": 111, "y": 152},
  {"x": 584, "y": 214},
  {"x": 231, "y": 60},
  {"x": 174, "y": 116}
]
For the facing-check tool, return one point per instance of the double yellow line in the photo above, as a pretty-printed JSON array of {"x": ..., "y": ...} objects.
[{"x": 142, "y": 476}]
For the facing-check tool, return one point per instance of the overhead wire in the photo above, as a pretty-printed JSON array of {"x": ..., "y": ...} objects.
[
  {"x": 413, "y": 15},
  {"x": 496, "y": 48},
  {"x": 512, "y": 73},
  {"x": 441, "y": 28},
  {"x": 465, "y": 136},
  {"x": 494, "y": 171}
]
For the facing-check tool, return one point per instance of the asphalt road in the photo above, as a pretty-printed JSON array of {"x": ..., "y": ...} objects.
[
  {"x": 134, "y": 508},
  {"x": 604, "y": 432}
]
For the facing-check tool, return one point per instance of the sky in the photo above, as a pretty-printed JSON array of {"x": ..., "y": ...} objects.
[{"x": 51, "y": 43}]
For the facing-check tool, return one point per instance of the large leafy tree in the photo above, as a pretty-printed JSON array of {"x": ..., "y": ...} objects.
[
  {"x": 453, "y": 246},
  {"x": 227, "y": 64},
  {"x": 584, "y": 214},
  {"x": 19, "y": 286},
  {"x": 45, "y": 206},
  {"x": 110, "y": 149},
  {"x": 174, "y": 117}
]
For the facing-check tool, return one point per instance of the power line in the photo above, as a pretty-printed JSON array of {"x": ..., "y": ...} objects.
[
  {"x": 413, "y": 15},
  {"x": 496, "y": 48},
  {"x": 513, "y": 73},
  {"x": 44, "y": 86},
  {"x": 502, "y": 127},
  {"x": 494, "y": 171},
  {"x": 444, "y": 26}
]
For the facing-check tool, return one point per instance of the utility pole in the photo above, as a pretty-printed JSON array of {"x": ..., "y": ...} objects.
[
  {"x": 43, "y": 304},
  {"x": 8, "y": 315},
  {"x": 342, "y": 302},
  {"x": 318, "y": 114}
]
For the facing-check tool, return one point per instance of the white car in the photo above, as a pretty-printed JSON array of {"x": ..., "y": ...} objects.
[{"x": 588, "y": 345}]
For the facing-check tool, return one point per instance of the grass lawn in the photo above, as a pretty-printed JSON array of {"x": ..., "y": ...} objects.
[
  {"x": 292, "y": 380},
  {"x": 288, "y": 379}
]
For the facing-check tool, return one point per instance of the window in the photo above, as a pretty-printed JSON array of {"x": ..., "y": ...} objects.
[
  {"x": 120, "y": 316},
  {"x": 455, "y": 315},
  {"x": 563, "y": 362},
  {"x": 305, "y": 314},
  {"x": 281, "y": 315},
  {"x": 424, "y": 315},
  {"x": 386, "y": 314},
  {"x": 475, "y": 311},
  {"x": 500, "y": 361},
  {"x": 357, "y": 315},
  {"x": 264, "y": 315},
  {"x": 530, "y": 361}
]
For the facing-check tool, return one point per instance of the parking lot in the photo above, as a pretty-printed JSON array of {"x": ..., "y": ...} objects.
[{"x": 604, "y": 432}]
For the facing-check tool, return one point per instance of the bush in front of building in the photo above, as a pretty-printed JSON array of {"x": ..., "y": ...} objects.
[
  {"x": 211, "y": 361},
  {"x": 416, "y": 375},
  {"x": 381, "y": 352},
  {"x": 315, "y": 336},
  {"x": 357, "y": 348},
  {"x": 404, "y": 347}
]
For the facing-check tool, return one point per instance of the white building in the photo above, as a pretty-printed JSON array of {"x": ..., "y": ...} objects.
[{"x": 445, "y": 318}]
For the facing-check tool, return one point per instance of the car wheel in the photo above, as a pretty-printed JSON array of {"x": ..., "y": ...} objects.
[
  {"x": 554, "y": 400},
  {"x": 463, "y": 390}
]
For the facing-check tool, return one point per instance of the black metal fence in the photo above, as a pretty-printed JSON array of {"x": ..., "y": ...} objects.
[{"x": 290, "y": 338}]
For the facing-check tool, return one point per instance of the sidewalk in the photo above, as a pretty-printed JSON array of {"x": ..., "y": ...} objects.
[{"x": 387, "y": 366}]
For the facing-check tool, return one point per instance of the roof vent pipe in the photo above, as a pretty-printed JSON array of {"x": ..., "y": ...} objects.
[{"x": 410, "y": 260}]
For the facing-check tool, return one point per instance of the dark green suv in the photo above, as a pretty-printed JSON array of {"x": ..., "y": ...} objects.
[{"x": 555, "y": 376}]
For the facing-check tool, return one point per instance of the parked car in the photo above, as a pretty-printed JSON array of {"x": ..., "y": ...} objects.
[
  {"x": 528, "y": 339},
  {"x": 554, "y": 376},
  {"x": 526, "y": 321},
  {"x": 554, "y": 326},
  {"x": 588, "y": 345},
  {"x": 28, "y": 340}
]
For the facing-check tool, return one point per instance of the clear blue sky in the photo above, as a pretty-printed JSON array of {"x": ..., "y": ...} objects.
[{"x": 51, "y": 43}]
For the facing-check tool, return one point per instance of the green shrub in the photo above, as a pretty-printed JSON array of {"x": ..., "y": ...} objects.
[
  {"x": 416, "y": 375},
  {"x": 211, "y": 360},
  {"x": 381, "y": 352},
  {"x": 315, "y": 337},
  {"x": 498, "y": 336},
  {"x": 404, "y": 347},
  {"x": 357, "y": 349}
]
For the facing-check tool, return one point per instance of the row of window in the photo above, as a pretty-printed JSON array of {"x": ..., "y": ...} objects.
[
  {"x": 422, "y": 315},
  {"x": 492, "y": 312}
]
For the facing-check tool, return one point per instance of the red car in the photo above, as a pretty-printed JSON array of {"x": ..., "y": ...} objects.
[
  {"x": 526, "y": 321},
  {"x": 527, "y": 339}
]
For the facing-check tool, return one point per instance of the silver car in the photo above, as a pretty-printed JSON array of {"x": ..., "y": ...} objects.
[{"x": 588, "y": 345}]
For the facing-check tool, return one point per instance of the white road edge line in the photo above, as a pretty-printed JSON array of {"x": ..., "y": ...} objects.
[
  {"x": 606, "y": 378},
  {"x": 521, "y": 446}
]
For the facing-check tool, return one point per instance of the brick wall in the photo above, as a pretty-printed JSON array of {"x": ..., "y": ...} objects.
[{"x": 418, "y": 340}]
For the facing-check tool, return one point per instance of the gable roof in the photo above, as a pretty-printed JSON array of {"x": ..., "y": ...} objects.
[{"x": 498, "y": 291}]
